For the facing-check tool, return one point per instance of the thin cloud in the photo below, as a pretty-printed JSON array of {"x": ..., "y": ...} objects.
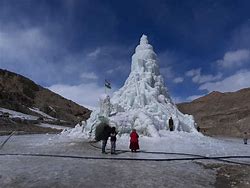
[
  {"x": 234, "y": 59},
  {"x": 32, "y": 53},
  {"x": 121, "y": 68},
  {"x": 193, "y": 72},
  {"x": 178, "y": 80},
  {"x": 232, "y": 83},
  {"x": 29, "y": 52},
  {"x": 206, "y": 78},
  {"x": 89, "y": 76},
  {"x": 95, "y": 53},
  {"x": 197, "y": 77},
  {"x": 24, "y": 45},
  {"x": 110, "y": 71}
]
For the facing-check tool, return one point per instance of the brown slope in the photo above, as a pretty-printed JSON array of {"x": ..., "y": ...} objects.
[
  {"x": 218, "y": 113},
  {"x": 20, "y": 93}
]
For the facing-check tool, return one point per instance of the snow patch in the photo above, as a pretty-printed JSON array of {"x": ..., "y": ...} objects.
[
  {"x": 15, "y": 114},
  {"x": 58, "y": 127},
  {"x": 42, "y": 113}
]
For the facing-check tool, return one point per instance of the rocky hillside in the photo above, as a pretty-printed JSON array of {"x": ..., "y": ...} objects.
[
  {"x": 20, "y": 94},
  {"x": 226, "y": 114}
]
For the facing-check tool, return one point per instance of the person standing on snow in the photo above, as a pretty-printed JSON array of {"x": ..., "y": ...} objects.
[
  {"x": 245, "y": 137},
  {"x": 134, "y": 142},
  {"x": 105, "y": 137},
  {"x": 171, "y": 124},
  {"x": 113, "y": 139}
]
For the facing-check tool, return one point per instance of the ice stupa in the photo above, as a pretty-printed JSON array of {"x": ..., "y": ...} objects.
[{"x": 143, "y": 102}]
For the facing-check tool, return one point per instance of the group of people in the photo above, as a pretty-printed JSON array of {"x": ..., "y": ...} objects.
[
  {"x": 111, "y": 132},
  {"x": 134, "y": 137},
  {"x": 106, "y": 133}
]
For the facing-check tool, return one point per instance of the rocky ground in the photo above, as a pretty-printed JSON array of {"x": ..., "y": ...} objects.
[
  {"x": 224, "y": 114},
  {"x": 230, "y": 175},
  {"x": 20, "y": 94}
]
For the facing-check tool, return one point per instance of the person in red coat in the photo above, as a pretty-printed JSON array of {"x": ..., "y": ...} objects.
[{"x": 134, "y": 142}]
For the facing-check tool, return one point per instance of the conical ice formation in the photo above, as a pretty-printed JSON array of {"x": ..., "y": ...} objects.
[{"x": 143, "y": 102}]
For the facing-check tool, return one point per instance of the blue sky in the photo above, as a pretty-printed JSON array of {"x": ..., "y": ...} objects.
[{"x": 71, "y": 46}]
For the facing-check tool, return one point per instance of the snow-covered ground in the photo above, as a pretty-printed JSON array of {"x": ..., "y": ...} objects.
[
  {"x": 15, "y": 114},
  {"x": 58, "y": 127},
  {"x": 28, "y": 171},
  {"x": 42, "y": 113},
  {"x": 181, "y": 142}
]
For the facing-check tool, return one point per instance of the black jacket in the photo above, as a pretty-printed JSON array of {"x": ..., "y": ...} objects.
[
  {"x": 113, "y": 136},
  {"x": 106, "y": 133},
  {"x": 170, "y": 122}
]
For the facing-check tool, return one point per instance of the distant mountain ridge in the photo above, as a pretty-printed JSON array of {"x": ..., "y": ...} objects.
[
  {"x": 217, "y": 113},
  {"x": 20, "y": 94}
]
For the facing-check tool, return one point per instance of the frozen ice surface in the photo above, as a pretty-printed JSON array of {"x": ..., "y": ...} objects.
[
  {"x": 41, "y": 172},
  {"x": 27, "y": 171},
  {"x": 180, "y": 142}
]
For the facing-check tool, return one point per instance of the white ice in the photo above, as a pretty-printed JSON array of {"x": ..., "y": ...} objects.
[{"x": 143, "y": 102}]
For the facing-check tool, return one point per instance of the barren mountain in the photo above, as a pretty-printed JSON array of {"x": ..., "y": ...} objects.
[
  {"x": 20, "y": 94},
  {"x": 226, "y": 114}
]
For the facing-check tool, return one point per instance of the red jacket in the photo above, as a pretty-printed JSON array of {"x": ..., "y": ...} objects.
[{"x": 134, "y": 137}]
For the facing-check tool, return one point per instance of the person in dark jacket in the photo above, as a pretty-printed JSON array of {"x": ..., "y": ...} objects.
[
  {"x": 105, "y": 136},
  {"x": 134, "y": 142},
  {"x": 171, "y": 124},
  {"x": 113, "y": 139}
]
